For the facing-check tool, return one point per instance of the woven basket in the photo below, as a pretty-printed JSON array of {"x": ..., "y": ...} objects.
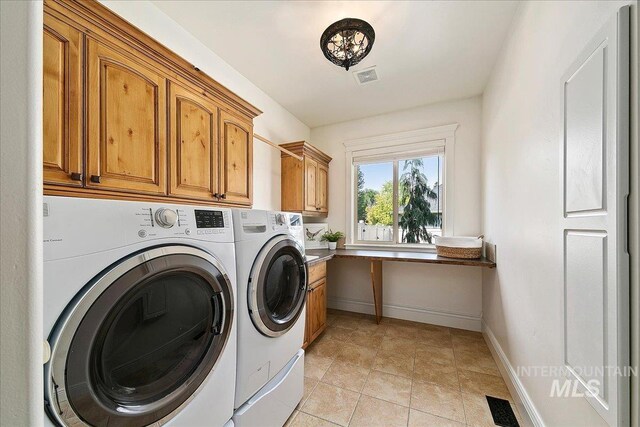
[{"x": 464, "y": 253}]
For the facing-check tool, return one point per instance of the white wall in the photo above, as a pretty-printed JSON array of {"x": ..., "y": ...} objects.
[
  {"x": 21, "y": 214},
  {"x": 522, "y": 298},
  {"x": 275, "y": 123},
  {"x": 431, "y": 293}
]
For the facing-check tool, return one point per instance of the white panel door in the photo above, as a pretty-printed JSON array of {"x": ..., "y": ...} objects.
[{"x": 595, "y": 186}]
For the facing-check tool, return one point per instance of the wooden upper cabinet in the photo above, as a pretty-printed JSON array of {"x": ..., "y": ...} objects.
[
  {"x": 236, "y": 159},
  {"x": 322, "y": 188},
  {"x": 305, "y": 184},
  {"x": 310, "y": 183},
  {"x": 193, "y": 145},
  {"x": 62, "y": 102},
  {"x": 126, "y": 115},
  {"x": 127, "y": 118}
]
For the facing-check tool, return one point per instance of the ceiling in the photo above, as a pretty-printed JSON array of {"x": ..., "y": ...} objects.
[{"x": 425, "y": 52}]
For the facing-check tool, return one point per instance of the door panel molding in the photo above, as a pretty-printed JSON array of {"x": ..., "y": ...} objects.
[
  {"x": 585, "y": 150},
  {"x": 586, "y": 290}
]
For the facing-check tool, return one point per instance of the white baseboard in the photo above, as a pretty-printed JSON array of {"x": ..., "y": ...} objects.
[
  {"x": 452, "y": 320},
  {"x": 525, "y": 406}
]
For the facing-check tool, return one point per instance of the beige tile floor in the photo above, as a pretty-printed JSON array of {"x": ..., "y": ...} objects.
[{"x": 398, "y": 373}]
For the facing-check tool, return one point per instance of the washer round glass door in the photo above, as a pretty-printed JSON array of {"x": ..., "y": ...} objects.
[
  {"x": 140, "y": 339},
  {"x": 277, "y": 286}
]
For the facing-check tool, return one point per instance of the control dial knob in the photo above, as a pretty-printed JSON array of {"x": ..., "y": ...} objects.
[
  {"x": 166, "y": 218},
  {"x": 281, "y": 219}
]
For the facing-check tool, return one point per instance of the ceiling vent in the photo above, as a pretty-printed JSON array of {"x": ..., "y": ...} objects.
[{"x": 366, "y": 76}]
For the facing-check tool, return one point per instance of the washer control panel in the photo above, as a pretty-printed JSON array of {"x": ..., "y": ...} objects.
[
  {"x": 251, "y": 222},
  {"x": 183, "y": 220},
  {"x": 75, "y": 225},
  {"x": 278, "y": 221},
  {"x": 287, "y": 222},
  {"x": 280, "y": 218},
  {"x": 197, "y": 222}
]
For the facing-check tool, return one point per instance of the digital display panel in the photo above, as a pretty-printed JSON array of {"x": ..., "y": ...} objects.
[
  {"x": 209, "y": 219},
  {"x": 296, "y": 220}
]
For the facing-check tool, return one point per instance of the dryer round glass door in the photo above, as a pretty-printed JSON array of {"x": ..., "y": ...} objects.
[
  {"x": 141, "y": 338},
  {"x": 277, "y": 286}
]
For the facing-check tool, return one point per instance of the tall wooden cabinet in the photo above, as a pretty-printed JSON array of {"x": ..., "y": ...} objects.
[
  {"x": 305, "y": 184},
  {"x": 126, "y": 118}
]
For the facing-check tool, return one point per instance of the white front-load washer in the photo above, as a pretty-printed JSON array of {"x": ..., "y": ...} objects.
[
  {"x": 272, "y": 288},
  {"x": 139, "y": 313}
]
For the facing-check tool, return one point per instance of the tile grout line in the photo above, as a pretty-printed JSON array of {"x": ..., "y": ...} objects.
[
  {"x": 363, "y": 386},
  {"x": 360, "y": 395},
  {"x": 411, "y": 392},
  {"x": 354, "y": 410},
  {"x": 455, "y": 364}
]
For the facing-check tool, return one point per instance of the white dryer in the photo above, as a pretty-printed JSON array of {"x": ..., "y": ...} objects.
[
  {"x": 272, "y": 288},
  {"x": 139, "y": 313}
]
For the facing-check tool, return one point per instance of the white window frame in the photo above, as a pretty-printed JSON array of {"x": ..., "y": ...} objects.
[{"x": 388, "y": 147}]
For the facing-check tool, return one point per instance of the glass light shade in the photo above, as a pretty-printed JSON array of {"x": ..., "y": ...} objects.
[{"x": 347, "y": 42}]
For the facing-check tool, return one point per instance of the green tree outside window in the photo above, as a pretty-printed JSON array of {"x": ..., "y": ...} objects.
[
  {"x": 414, "y": 194},
  {"x": 381, "y": 212}
]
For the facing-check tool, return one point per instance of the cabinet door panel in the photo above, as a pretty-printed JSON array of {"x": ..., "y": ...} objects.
[
  {"x": 236, "y": 154},
  {"x": 322, "y": 190},
  {"x": 318, "y": 307},
  {"x": 126, "y": 122},
  {"x": 310, "y": 181},
  {"x": 62, "y": 103},
  {"x": 194, "y": 145}
]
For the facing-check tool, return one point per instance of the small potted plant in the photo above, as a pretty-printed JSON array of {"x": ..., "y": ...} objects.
[{"x": 332, "y": 237}]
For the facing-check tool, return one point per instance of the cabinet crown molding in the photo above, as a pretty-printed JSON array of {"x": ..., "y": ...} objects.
[{"x": 303, "y": 148}]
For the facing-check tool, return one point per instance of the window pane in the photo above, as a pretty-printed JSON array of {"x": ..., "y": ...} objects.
[
  {"x": 375, "y": 202},
  {"x": 420, "y": 192}
]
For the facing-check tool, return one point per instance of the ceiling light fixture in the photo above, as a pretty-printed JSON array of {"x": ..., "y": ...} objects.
[{"x": 347, "y": 42}]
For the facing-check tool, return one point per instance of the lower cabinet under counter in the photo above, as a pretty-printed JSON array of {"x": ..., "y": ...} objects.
[{"x": 316, "y": 317}]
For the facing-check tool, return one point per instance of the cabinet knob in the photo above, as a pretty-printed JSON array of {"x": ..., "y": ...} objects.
[
  {"x": 76, "y": 176},
  {"x": 216, "y": 195},
  {"x": 223, "y": 196},
  {"x": 95, "y": 179}
]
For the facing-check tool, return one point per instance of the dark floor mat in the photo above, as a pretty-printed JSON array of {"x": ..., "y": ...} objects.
[{"x": 501, "y": 412}]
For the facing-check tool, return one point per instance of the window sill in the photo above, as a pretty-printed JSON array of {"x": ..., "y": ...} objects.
[{"x": 392, "y": 247}]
